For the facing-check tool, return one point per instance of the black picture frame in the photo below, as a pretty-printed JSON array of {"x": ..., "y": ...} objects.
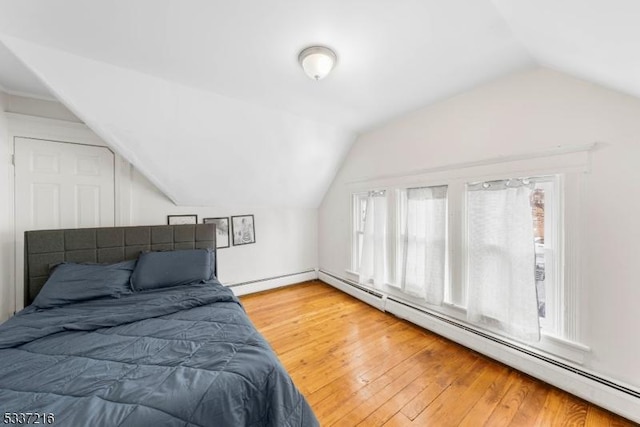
[
  {"x": 182, "y": 219},
  {"x": 243, "y": 230},
  {"x": 222, "y": 230}
]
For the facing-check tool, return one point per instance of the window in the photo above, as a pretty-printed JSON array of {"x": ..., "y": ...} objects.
[
  {"x": 421, "y": 247},
  {"x": 506, "y": 253},
  {"x": 358, "y": 212},
  {"x": 428, "y": 263},
  {"x": 457, "y": 206}
]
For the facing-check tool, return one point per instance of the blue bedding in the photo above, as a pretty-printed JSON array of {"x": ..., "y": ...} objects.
[{"x": 182, "y": 356}]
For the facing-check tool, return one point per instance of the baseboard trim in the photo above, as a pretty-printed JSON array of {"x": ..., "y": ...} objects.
[
  {"x": 606, "y": 393},
  {"x": 260, "y": 285}
]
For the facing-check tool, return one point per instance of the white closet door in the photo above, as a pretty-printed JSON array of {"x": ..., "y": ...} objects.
[{"x": 60, "y": 185}]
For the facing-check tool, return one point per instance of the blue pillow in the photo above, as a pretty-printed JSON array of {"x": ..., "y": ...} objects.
[
  {"x": 172, "y": 268},
  {"x": 70, "y": 282}
]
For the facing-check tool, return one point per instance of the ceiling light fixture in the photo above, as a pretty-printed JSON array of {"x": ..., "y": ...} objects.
[{"x": 317, "y": 61}]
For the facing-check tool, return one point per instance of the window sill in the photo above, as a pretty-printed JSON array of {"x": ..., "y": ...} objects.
[
  {"x": 561, "y": 347},
  {"x": 549, "y": 344},
  {"x": 455, "y": 307},
  {"x": 352, "y": 275}
]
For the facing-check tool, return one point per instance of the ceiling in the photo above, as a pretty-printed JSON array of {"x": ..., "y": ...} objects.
[{"x": 213, "y": 89}]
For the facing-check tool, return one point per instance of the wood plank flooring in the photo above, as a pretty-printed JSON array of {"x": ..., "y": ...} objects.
[{"x": 359, "y": 366}]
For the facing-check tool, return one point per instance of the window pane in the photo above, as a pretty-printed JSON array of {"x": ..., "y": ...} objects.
[{"x": 546, "y": 226}]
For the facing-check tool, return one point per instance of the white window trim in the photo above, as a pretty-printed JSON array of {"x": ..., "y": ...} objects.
[{"x": 572, "y": 164}]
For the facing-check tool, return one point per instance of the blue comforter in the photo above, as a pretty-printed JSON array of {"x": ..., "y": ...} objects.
[{"x": 184, "y": 356}]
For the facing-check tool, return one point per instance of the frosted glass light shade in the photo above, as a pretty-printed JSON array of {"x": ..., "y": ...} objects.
[{"x": 317, "y": 61}]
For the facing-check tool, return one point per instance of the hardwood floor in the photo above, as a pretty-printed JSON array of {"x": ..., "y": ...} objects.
[{"x": 359, "y": 366}]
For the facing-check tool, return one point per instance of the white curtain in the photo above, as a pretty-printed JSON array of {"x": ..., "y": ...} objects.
[
  {"x": 373, "y": 261},
  {"x": 423, "y": 252},
  {"x": 502, "y": 291}
]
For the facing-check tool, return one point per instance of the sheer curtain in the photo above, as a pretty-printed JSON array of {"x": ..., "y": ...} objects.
[
  {"x": 501, "y": 257},
  {"x": 373, "y": 261},
  {"x": 423, "y": 250}
]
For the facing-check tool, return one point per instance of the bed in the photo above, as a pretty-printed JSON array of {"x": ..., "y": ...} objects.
[{"x": 178, "y": 355}]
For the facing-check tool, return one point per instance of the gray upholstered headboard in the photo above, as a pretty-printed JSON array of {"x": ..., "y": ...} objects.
[{"x": 44, "y": 248}]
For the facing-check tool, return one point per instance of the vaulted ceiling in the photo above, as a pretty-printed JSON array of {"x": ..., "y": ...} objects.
[{"x": 206, "y": 97}]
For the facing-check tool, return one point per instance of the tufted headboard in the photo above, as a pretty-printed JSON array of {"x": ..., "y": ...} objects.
[{"x": 44, "y": 248}]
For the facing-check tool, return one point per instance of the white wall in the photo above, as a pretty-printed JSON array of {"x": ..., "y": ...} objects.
[
  {"x": 286, "y": 238},
  {"x": 39, "y": 108},
  {"x": 6, "y": 225},
  {"x": 527, "y": 112}
]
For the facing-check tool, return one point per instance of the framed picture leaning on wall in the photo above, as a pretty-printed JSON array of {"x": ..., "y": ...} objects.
[
  {"x": 243, "y": 230},
  {"x": 222, "y": 230}
]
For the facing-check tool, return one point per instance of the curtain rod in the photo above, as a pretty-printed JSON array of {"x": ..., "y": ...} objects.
[{"x": 506, "y": 183}]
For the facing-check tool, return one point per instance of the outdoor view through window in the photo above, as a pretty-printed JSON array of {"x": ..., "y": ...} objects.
[{"x": 537, "y": 207}]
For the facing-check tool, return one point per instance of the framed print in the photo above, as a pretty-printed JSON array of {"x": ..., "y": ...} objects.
[
  {"x": 222, "y": 231},
  {"x": 243, "y": 230},
  {"x": 182, "y": 219}
]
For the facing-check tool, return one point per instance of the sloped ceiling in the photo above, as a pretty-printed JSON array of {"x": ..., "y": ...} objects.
[
  {"x": 206, "y": 97},
  {"x": 198, "y": 147}
]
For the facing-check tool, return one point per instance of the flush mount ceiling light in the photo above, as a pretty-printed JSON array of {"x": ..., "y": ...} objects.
[{"x": 317, "y": 61}]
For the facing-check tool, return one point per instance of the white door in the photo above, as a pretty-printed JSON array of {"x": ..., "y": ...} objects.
[{"x": 60, "y": 185}]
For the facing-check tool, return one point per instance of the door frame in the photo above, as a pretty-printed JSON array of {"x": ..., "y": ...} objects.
[{"x": 38, "y": 128}]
